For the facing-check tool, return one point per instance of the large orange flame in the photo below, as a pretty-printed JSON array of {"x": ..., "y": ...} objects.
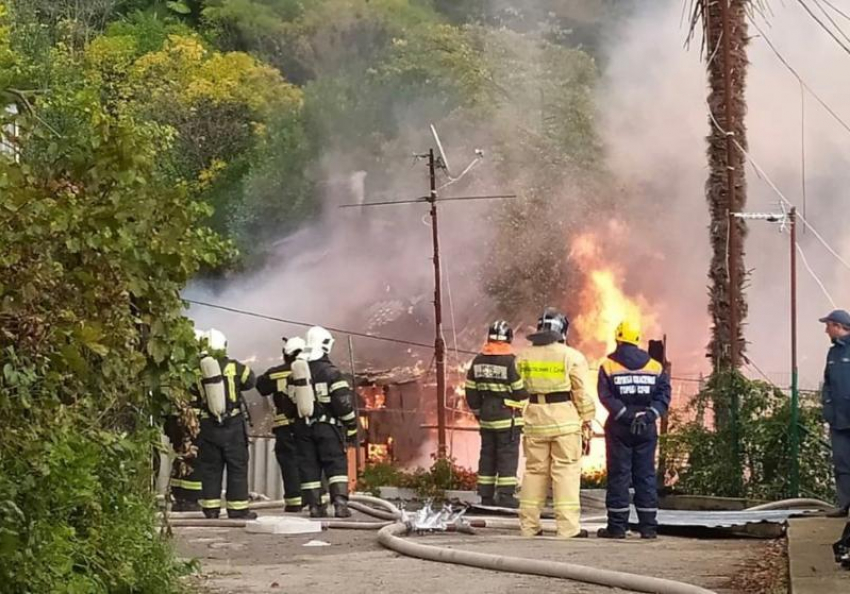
[{"x": 603, "y": 304}]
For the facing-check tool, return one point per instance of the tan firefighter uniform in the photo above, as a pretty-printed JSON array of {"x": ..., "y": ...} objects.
[{"x": 554, "y": 376}]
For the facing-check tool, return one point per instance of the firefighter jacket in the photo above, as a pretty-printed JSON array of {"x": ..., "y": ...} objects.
[
  {"x": 495, "y": 391},
  {"x": 630, "y": 381},
  {"x": 554, "y": 375},
  {"x": 238, "y": 378},
  {"x": 334, "y": 397},
  {"x": 836, "y": 385},
  {"x": 274, "y": 383}
]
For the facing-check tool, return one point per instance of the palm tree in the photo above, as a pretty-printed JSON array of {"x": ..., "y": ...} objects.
[{"x": 724, "y": 293}]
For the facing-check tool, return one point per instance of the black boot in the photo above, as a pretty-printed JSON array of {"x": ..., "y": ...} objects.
[
  {"x": 211, "y": 514},
  {"x": 606, "y": 533},
  {"x": 318, "y": 511},
  {"x": 508, "y": 501},
  {"x": 488, "y": 501},
  {"x": 648, "y": 534},
  {"x": 241, "y": 514},
  {"x": 293, "y": 509},
  {"x": 185, "y": 505},
  {"x": 341, "y": 508}
]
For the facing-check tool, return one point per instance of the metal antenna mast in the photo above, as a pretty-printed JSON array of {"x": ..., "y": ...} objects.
[{"x": 435, "y": 162}]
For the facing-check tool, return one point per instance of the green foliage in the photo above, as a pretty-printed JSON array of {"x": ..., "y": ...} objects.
[
  {"x": 97, "y": 246},
  {"x": 444, "y": 475},
  {"x": 704, "y": 459}
]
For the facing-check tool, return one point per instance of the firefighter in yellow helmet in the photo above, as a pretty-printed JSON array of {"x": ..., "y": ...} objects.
[
  {"x": 554, "y": 375},
  {"x": 636, "y": 392}
]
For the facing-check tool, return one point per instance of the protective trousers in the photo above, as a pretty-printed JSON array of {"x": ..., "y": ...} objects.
[
  {"x": 630, "y": 460},
  {"x": 560, "y": 458},
  {"x": 186, "y": 488},
  {"x": 497, "y": 464},
  {"x": 286, "y": 452},
  {"x": 841, "y": 461},
  {"x": 321, "y": 449},
  {"x": 219, "y": 447}
]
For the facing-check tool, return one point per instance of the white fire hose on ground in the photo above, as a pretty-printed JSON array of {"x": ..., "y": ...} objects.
[{"x": 390, "y": 529}]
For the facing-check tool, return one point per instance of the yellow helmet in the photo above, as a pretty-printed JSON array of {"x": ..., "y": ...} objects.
[{"x": 629, "y": 332}]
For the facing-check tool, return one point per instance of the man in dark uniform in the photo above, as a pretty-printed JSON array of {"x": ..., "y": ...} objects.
[
  {"x": 836, "y": 403},
  {"x": 635, "y": 390},
  {"x": 496, "y": 396},
  {"x": 274, "y": 383},
  {"x": 223, "y": 438},
  {"x": 322, "y": 435}
]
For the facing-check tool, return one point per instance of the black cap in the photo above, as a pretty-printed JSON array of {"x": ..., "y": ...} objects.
[{"x": 839, "y": 316}]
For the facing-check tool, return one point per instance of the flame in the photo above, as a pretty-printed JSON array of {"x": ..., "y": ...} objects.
[{"x": 603, "y": 303}]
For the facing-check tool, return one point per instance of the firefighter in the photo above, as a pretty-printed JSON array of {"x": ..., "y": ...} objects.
[
  {"x": 635, "y": 390},
  {"x": 185, "y": 489},
  {"x": 558, "y": 409},
  {"x": 324, "y": 427},
  {"x": 223, "y": 438},
  {"x": 274, "y": 383},
  {"x": 496, "y": 395}
]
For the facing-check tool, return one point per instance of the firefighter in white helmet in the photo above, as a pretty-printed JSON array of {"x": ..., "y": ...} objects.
[
  {"x": 223, "y": 439},
  {"x": 558, "y": 406},
  {"x": 276, "y": 383},
  {"x": 325, "y": 424}
]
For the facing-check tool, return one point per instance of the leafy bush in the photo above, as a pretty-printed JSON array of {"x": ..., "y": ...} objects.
[
  {"x": 444, "y": 475},
  {"x": 93, "y": 344},
  {"x": 703, "y": 459}
]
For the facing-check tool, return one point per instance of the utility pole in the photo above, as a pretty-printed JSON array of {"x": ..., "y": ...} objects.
[
  {"x": 794, "y": 430},
  {"x": 432, "y": 199},
  {"x": 795, "y": 396},
  {"x": 734, "y": 243},
  {"x": 439, "y": 343}
]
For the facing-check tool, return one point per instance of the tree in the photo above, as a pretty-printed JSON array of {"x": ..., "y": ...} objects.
[
  {"x": 725, "y": 116},
  {"x": 97, "y": 246}
]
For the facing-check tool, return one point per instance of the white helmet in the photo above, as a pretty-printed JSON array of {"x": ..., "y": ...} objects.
[
  {"x": 319, "y": 343},
  {"x": 216, "y": 340},
  {"x": 200, "y": 334},
  {"x": 293, "y": 345}
]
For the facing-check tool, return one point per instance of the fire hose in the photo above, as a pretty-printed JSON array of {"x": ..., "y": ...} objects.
[{"x": 390, "y": 529}]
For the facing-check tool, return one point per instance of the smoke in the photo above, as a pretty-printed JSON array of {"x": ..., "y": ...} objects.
[
  {"x": 655, "y": 121},
  {"x": 370, "y": 269}
]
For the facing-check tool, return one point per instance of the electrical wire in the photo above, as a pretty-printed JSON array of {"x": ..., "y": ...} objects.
[
  {"x": 823, "y": 26},
  {"x": 831, "y": 20},
  {"x": 815, "y": 276},
  {"x": 307, "y": 325},
  {"x": 799, "y": 78},
  {"x": 836, "y": 9},
  {"x": 803, "y": 144},
  {"x": 779, "y": 193}
]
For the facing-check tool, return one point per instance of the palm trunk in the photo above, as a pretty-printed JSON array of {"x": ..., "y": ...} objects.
[{"x": 722, "y": 292}]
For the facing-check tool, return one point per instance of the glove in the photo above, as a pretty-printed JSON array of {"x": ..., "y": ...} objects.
[
  {"x": 640, "y": 424},
  {"x": 351, "y": 436}
]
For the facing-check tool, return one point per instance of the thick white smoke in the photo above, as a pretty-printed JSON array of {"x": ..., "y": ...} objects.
[{"x": 655, "y": 120}]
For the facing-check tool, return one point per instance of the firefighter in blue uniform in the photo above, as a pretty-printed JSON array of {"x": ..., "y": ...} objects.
[{"x": 635, "y": 390}]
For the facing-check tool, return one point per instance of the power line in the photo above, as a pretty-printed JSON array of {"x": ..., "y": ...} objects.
[
  {"x": 798, "y": 77},
  {"x": 307, "y": 325},
  {"x": 779, "y": 193},
  {"x": 823, "y": 25},
  {"x": 831, "y": 20},
  {"x": 814, "y": 276},
  {"x": 836, "y": 9}
]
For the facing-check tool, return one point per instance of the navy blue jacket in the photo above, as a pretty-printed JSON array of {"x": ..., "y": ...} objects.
[
  {"x": 836, "y": 385},
  {"x": 623, "y": 407}
]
